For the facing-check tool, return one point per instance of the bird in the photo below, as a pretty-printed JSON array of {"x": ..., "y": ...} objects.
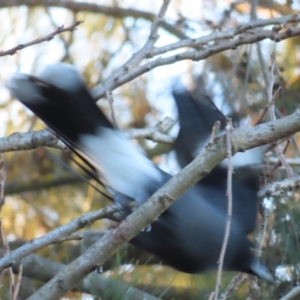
[
  {"x": 197, "y": 116},
  {"x": 188, "y": 236}
]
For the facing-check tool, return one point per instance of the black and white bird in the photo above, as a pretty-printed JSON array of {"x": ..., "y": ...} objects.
[
  {"x": 189, "y": 234},
  {"x": 197, "y": 116}
]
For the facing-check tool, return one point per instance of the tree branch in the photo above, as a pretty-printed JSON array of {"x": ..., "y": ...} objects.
[
  {"x": 244, "y": 38},
  {"x": 55, "y": 236},
  {"x": 144, "y": 52},
  {"x": 96, "y": 255},
  {"x": 229, "y": 210},
  {"x": 34, "y": 139},
  {"x": 227, "y": 34},
  {"x": 277, "y": 188},
  {"x": 156, "y": 133},
  {"x": 77, "y": 6},
  {"x": 46, "y": 38},
  {"x": 43, "y": 269},
  {"x": 30, "y": 140}
]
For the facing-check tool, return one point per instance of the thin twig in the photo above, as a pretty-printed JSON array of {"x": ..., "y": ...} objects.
[
  {"x": 263, "y": 230},
  {"x": 211, "y": 296},
  {"x": 12, "y": 285},
  {"x": 144, "y": 52},
  {"x": 254, "y": 289},
  {"x": 262, "y": 63},
  {"x": 67, "y": 56},
  {"x": 265, "y": 110},
  {"x": 235, "y": 282},
  {"x": 55, "y": 236},
  {"x": 75, "y": 236},
  {"x": 112, "y": 82},
  {"x": 270, "y": 88},
  {"x": 226, "y": 34},
  {"x": 46, "y": 38},
  {"x": 6, "y": 252},
  {"x": 2, "y": 182},
  {"x": 112, "y": 112},
  {"x": 156, "y": 133},
  {"x": 34, "y": 139},
  {"x": 295, "y": 161},
  {"x": 215, "y": 131},
  {"x": 18, "y": 284},
  {"x": 30, "y": 140},
  {"x": 277, "y": 188},
  {"x": 229, "y": 208},
  {"x": 279, "y": 163}
]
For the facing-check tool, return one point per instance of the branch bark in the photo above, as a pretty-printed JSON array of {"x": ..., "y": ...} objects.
[
  {"x": 46, "y": 38},
  {"x": 34, "y": 139},
  {"x": 55, "y": 236},
  {"x": 209, "y": 45},
  {"x": 241, "y": 140},
  {"x": 116, "y": 12},
  {"x": 277, "y": 188},
  {"x": 43, "y": 269}
]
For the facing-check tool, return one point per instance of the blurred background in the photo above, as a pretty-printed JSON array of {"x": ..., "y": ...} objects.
[{"x": 43, "y": 192}]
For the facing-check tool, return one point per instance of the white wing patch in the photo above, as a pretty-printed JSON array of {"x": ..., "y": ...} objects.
[
  {"x": 124, "y": 166},
  {"x": 63, "y": 76}
]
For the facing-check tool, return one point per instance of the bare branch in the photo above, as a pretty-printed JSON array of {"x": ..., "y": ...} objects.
[
  {"x": 227, "y": 34},
  {"x": 233, "y": 285},
  {"x": 2, "y": 181},
  {"x": 18, "y": 284},
  {"x": 115, "y": 11},
  {"x": 43, "y": 269},
  {"x": 30, "y": 140},
  {"x": 291, "y": 161},
  {"x": 112, "y": 82},
  {"x": 46, "y": 38},
  {"x": 34, "y": 139},
  {"x": 215, "y": 131},
  {"x": 140, "y": 55},
  {"x": 254, "y": 289},
  {"x": 13, "y": 288},
  {"x": 277, "y": 188},
  {"x": 270, "y": 88},
  {"x": 55, "y": 236},
  {"x": 155, "y": 134},
  {"x": 271, "y": 80},
  {"x": 263, "y": 231},
  {"x": 229, "y": 209},
  {"x": 112, "y": 112},
  {"x": 292, "y": 294},
  {"x": 265, "y": 109}
]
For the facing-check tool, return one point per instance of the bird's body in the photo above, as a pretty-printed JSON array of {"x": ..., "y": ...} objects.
[
  {"x": 196, "y": 120},
  {"x": 189, "y": 234}
]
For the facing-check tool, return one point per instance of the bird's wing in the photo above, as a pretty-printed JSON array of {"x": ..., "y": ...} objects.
[
  {"x": 196, "y": 120},
  {"x": 60, "y": 98}
]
